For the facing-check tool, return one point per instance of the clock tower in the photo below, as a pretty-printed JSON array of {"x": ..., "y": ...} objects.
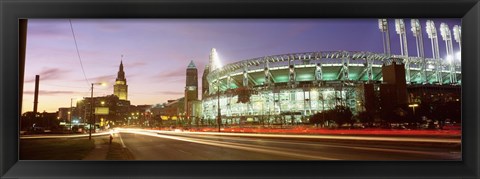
[{"x": 120, "y": 89}]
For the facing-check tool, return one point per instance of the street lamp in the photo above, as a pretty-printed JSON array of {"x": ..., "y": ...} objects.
[
  {"x": 413, "y": 106},
  {"x": 70, "y": 111},
  {"x": 91, "y": 111}
]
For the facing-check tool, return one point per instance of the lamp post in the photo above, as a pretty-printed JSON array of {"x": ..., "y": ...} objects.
[
  {"x": 219, "y": 115},
  {"x": 70, "y": 111},
  {"x": 413, "y": 106},
  {"x": 91, "y": 111}
]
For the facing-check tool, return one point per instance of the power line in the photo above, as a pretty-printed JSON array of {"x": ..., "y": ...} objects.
[{"x": 78, "y": 52}]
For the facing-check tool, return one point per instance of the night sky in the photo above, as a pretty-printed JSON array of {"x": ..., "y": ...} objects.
[{"x": 157, "y": 51}]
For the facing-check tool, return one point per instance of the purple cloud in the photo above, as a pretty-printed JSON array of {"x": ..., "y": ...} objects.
[
  {"x": 104, "y": 78},
  {"x": 49, "y": 74},
  {"x": 171, "y": 92},
  {"x": 169, "y": 75},
  {"x": 131, "y": 65},
  {"x": 51, "y": 93}
]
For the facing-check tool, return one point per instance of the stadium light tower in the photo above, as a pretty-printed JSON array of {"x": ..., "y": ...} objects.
[
  {"x": 417, "y": 33},
  {"x": 214, "y": 65},
  {"x": 432, "y": 35},
  {"x": 383, "y": 26},
  {"x": 214, "y": 60},
  {"x": 447, "y": 37},
  {"x": 457, "y": 35},
  {"x": 400, "y": 28}
]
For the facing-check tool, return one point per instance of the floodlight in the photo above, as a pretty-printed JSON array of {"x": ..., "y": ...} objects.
[
  {"x": 399, "y": 26},
  {"x": 431, "y": 30},
  {"x": 415, "y": 27},
  {"x": 214, "y": 59},
  {"x": 458, "y": 55},
  {"x": 445, "y": 32},
  {"x": 457, "y": 33},
  {"x": 449, "y": 58},
  {"x": 382, "y": 24}
]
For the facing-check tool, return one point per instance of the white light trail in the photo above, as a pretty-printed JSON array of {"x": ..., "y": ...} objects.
[
  {"x": 62, "y": 136},
  {"x": 249, "y": 147},
  {"x": 366, "y": 138},
  {"x": 325, "y": 145}
]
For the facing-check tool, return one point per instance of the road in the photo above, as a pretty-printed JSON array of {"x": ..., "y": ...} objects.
[{"x": 162, "y": 145}]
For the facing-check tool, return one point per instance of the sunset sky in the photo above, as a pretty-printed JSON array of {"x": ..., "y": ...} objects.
[{"x": 157, "y": 51}]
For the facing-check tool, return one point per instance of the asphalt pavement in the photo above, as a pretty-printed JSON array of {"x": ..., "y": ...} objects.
[{"x": 155, "y": 145}]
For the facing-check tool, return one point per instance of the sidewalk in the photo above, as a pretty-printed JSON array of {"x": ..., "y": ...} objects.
[{"x": 102, "y": 146}]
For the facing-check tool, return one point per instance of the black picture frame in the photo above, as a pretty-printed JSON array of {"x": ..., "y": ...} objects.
[{"x": 11, "y": 86}]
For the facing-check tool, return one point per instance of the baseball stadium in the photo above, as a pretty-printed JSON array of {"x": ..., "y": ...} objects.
[{"x": 295, "y": 86}]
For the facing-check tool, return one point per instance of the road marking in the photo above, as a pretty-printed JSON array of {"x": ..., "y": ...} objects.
[
  {"x": 185, "y": 152},
  {"x": 123, "y": 144}
]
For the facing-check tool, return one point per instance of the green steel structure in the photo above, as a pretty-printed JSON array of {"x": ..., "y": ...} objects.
[{"x": 289, "y": 88}]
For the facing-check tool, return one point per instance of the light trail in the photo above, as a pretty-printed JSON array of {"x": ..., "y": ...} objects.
[
  {"x": 324, "y": 145},
  {"x": 286, "y": 136},
  {"x": 254, "y": 148},
  {"x": 63, "y": 136}
]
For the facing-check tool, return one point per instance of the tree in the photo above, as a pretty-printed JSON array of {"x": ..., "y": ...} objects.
[
  {"x": 243, "y": 95},
  {"x": 342, "y": 115},
  {"x": 365, "y": 118},
  {"x": 448, "y": 110},
  {"x": 317, "y": 118}
]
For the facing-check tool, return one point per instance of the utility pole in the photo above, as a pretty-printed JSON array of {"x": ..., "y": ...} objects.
[
  {"x": 92, "y": 117},
  {"x": 91, "y": 114}
]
